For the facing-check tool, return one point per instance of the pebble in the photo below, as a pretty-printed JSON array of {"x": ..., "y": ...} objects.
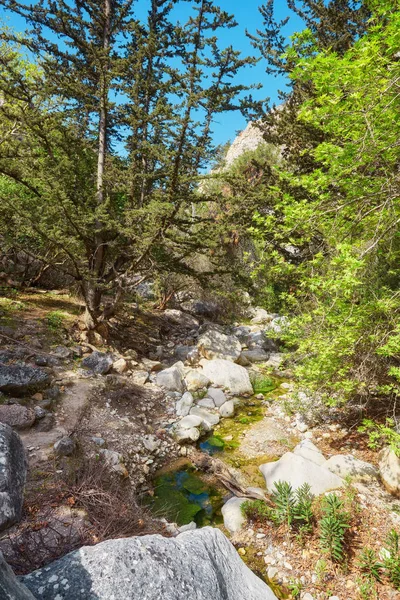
[
  {"x": 242, "y": 552},
  {"x": 288, "y": 566},
  {"x": 272, "y": 572},
  {"x": 307, "y": 596},
  {"x": 260, "y": 536}
]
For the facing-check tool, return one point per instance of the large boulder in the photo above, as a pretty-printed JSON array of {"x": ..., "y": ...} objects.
[
  {"x": 260, "y": 315},
  {"x": 215, "y": 344},
  {"x": 228, "y": 375},
  {"x": 200, "y": 565},
  {"x": 389, "y": 469},
  {"x": 22, "y": 379},
  {"x": 171, "y": 379},
  {"x": 217, "y": 396},
  {"x": 178, "y": 317},
  {"x": 17, "y": 416},
  {"x": 255, "y": 355},
  {"x": 297, "y": 470},
  {"x": 196, "y": 380},
  {"x": 10, "y": 587},
  {"x": 98, "y": 362},
  {"x": 12, "y": 476},
  {"x": 308, "y": 450},
  {"x": 208, "y": 419},
  {"x": 346, "y": 465}
]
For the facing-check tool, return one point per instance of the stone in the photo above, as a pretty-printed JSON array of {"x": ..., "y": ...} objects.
[
  {"x": 140, "y": 377},
  {"x": 181, "y": 352},
  {"x": 258, "y": 339},
  {"x": 228, "y": 375},
  {"x": 152, "y": 365},
  {"x": 389, "y": 469},
  {"x": 208, "y": 419},
  {"x": 98, "y": 362},
  {"x": 99, "y": 441},
  {"x": 301, "y": 423},
  {"x": 346, "y": 465},
  {"x": 17, "y": 416},
  {"x": 12, "y": 476},
  {"x": 10, "y": 587},
  {"x": 272, "y": 572},
  {"x": 151, "y": 442},
  {"x": 206, "y": 403},
  {"x": 186, "y": 435},
  {"x": 308, "y": 450},
  {"x": 199, "y": 565},
  {"x": 171, "y": 379},
  {"x": 40, "y": 413},
  {"x": 214, "y": 344},
  {"x": 261, "y": 316},
  {"x": 115, "y": 461},
  {"x": 256, "y": 492},
  {"x": 217, "y": 395},
  {"x": 178, "y": 317},
  {"x": 195, "y": 380},
  {"x": 64, "y": 447},
  {"x": 255, "y": 355},
  {"x": 232, "y": 514},
  {"x": 307, "y": 596},
  {"x": 189, "y": 527},
  {"x": 63, "y": 352},
  {"x": 275, "y": 360},
  {"x": 297, "y": 470},
  {"x": 202, "y": 308},
  {"x": 22, "y": 379},
  {"x": 184, "y": 405},
  {"x": 190, "y": 421},
  {"x": 193, "y": 356},
  {"x": 227, "y": 409},
  {"x": 120, "y": 366}
]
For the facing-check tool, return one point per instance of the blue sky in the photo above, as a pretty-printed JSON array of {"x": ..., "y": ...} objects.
[{"x": 248, "y": 17}]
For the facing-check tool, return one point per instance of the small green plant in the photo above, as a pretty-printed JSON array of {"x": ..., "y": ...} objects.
[
  {"x": 380, "y": 435},
  {"x": 333, "y": 527},
  {"x": 256, "y": 510},
  {"x": 392, "y": 559},
  {"x": 303, "y": 510},
  {"x": 55, "y": 320},
  {"x": 367, "y": 589},
  {"x": 262, "y": 384},
  {"x": 370, "y": 565},
  {"x": 295, "y": 588},
  {"x": 284, "y": 500},
  {"x": 321, "y": 569}
]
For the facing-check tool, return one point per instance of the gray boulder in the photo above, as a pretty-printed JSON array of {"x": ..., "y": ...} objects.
[
  {"x": 214, "y": 344},
  {"x": 10, "y": 587},
  {"x": 255, "y": 355},
  {"x": 297, "y": 470},
  {"x": 196, "y": 565},
  {"x": 228, "y": 375},
  {"x": 22, "y": 379},
  {"x": 346, "y": 465},
  {"x": 196, "y": 380},
  {"x": 64, "y": 447},
  {"x": 208, "y": 419},
  {"x": 171, "y": 379},
  {"x": 12, "y": 476},
  {"x": 178, "y": 317},
  {"x": 389, "y": 469},
  {"x": 308, "y": 450},
  {"x": 261, "y": 316},
  {"x": 217, "y": 395},
  {"x": 17, "y": 416},
  {"x": 227, "y": 409},
  {"x": 98, "y": 362},
  {"x": 184, "y": 405}
]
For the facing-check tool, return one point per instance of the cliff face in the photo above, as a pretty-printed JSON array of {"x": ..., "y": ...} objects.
[{"x": 249, "y": 139}]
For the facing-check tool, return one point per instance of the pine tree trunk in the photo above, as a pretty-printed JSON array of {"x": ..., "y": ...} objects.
[{"x": 93, "y": 291}]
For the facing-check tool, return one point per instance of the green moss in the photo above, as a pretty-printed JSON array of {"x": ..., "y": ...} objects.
[{"x": 262, "y": 384}]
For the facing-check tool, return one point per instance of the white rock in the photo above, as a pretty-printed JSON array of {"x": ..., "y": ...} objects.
[
  {"x": 151, "y": 442},
  {"x": 232, "y": 514},
  {"x": 227, "y": 409},
  {"x": 308, "y": 450},
  {"x": 208, "y": 419},
  {"x": 297, "y": 470},
  {"x": 389, "y": 469},
  {"x": 190, "y": 421},
  {"x": 347, "y": 465},
  {"x": 171, "y": 379},
  {"x": 206, "y": 403},
  {"x": 184, "y": 405},
  {"x": 181, "y": 318},
  {"x": 255, "y": 355},
  {"x": 275, "y": 360},
  {"x": 213, "y": 344},
  {"x": 261, "y": 316},
  {"x": 140, "y": 377},
  {"x": 217, "y": 395},
  {"x": 120, "y": 365},
  {"x": 301, "y": 424},
  {"x": 229, "y": 375},
  {"x": 187, "y": 435},
  {"x": 196, "y": 380},
  {"x": 115, "y": 461}
]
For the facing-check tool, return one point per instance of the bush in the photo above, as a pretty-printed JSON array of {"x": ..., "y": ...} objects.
[{"x": 333, "y": 527}]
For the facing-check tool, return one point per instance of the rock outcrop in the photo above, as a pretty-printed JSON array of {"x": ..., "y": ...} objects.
[
  {"x": 229, "y": 375},
  {"x": 22, "y": 379},
  {"x": 10, "y": 587},
  {"x": 200, "y": 565},
  {"x": 12, "y": 476}
]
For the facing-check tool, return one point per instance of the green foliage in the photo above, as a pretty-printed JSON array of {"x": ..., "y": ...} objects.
[
  {"x": 370, "y": 565},
  {"x": 284, "y": 500},
  {"x": 303, "y": 511},
  {"x": 333, "y": 527},
  {"x": 262, "y": 384},
  {"x": 392, "y": 558},
  {"x": 55, "y": 320},
  {"x": 380, "y": 435},
  {"x": 367, "y": 589},
  {"x": 295, "y": 587},
  {"x": 256, "y": 510}
]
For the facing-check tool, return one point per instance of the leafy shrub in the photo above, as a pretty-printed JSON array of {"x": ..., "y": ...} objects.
[
  {"x": 333, "y": 526},
  {"x": 380, "y": 434},
  {"x": 256, "y": 510},
  {"x": 370, "y": 564},
  {"x": 55, "y": 320}
]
